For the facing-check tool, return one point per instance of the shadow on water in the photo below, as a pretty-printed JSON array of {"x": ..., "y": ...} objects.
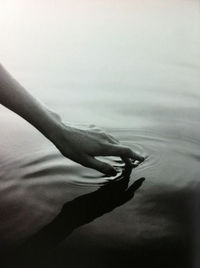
[
  {"x": 74, "y": 214},
  {"x": 45, "y": 250},
  {"x": 162, "y": 251}
]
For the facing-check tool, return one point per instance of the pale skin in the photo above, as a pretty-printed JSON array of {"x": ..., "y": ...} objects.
[{"x": 79, "y": 145}]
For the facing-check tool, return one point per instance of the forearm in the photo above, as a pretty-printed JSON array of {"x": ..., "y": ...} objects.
[{"x": 16, "y": 98}]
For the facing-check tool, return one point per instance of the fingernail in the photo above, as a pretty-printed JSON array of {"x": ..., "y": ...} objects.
[{"x": 143, "y": 158}]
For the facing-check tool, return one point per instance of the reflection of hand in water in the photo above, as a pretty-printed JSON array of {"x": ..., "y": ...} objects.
[
  {"x": 83, "y": 210},
  {"x": 74, "y": 214}
]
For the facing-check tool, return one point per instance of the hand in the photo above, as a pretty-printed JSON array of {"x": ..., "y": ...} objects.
[{"x": 83, "y": 145}]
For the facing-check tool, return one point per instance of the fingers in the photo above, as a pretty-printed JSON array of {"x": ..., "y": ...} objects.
[
  {"x": 127, "y": 161},
  {"x": 136, "y": 185},
  {"x": 113, "y": 139},
  {"x": 124, "y": 152},
  {"x": 131, "y": 190},
  {"x": 101, "y": 166}
]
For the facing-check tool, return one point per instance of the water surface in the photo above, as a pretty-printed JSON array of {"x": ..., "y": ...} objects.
[{"x": 131, "y": 68}]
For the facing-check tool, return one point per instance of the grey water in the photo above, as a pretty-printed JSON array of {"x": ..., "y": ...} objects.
[{"x": 132, "y": 68}]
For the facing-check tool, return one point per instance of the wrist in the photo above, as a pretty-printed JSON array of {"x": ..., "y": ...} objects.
[
  {"x": 49, "y": 123},
  {"x": 56, "y": 129}
]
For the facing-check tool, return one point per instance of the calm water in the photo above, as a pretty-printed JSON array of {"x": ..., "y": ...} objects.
[{"x": 133, "y": 69}]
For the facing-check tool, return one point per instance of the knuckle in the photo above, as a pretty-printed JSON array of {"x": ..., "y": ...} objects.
[
  {"x": 112, "y": 137},
  {"x": 92, "y": 126},
  {"x": 98, "y": 130},
  {"x": 103, "y": 135}
]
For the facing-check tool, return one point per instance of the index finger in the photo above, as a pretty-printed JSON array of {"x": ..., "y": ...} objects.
[{"x": 124, "y": 151}]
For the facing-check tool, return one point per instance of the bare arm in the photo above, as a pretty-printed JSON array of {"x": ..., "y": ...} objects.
[
  {"x": 19, "y": 100},
  {"x": 77, "y": 144}
]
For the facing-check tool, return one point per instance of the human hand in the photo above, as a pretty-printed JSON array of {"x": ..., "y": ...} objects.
[{"x": 84, "y": 145}]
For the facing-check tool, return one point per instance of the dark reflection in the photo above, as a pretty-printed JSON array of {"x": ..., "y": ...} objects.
[
  {"x": 83, "y": 210},
  {"x": 76, "y": 213}
]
